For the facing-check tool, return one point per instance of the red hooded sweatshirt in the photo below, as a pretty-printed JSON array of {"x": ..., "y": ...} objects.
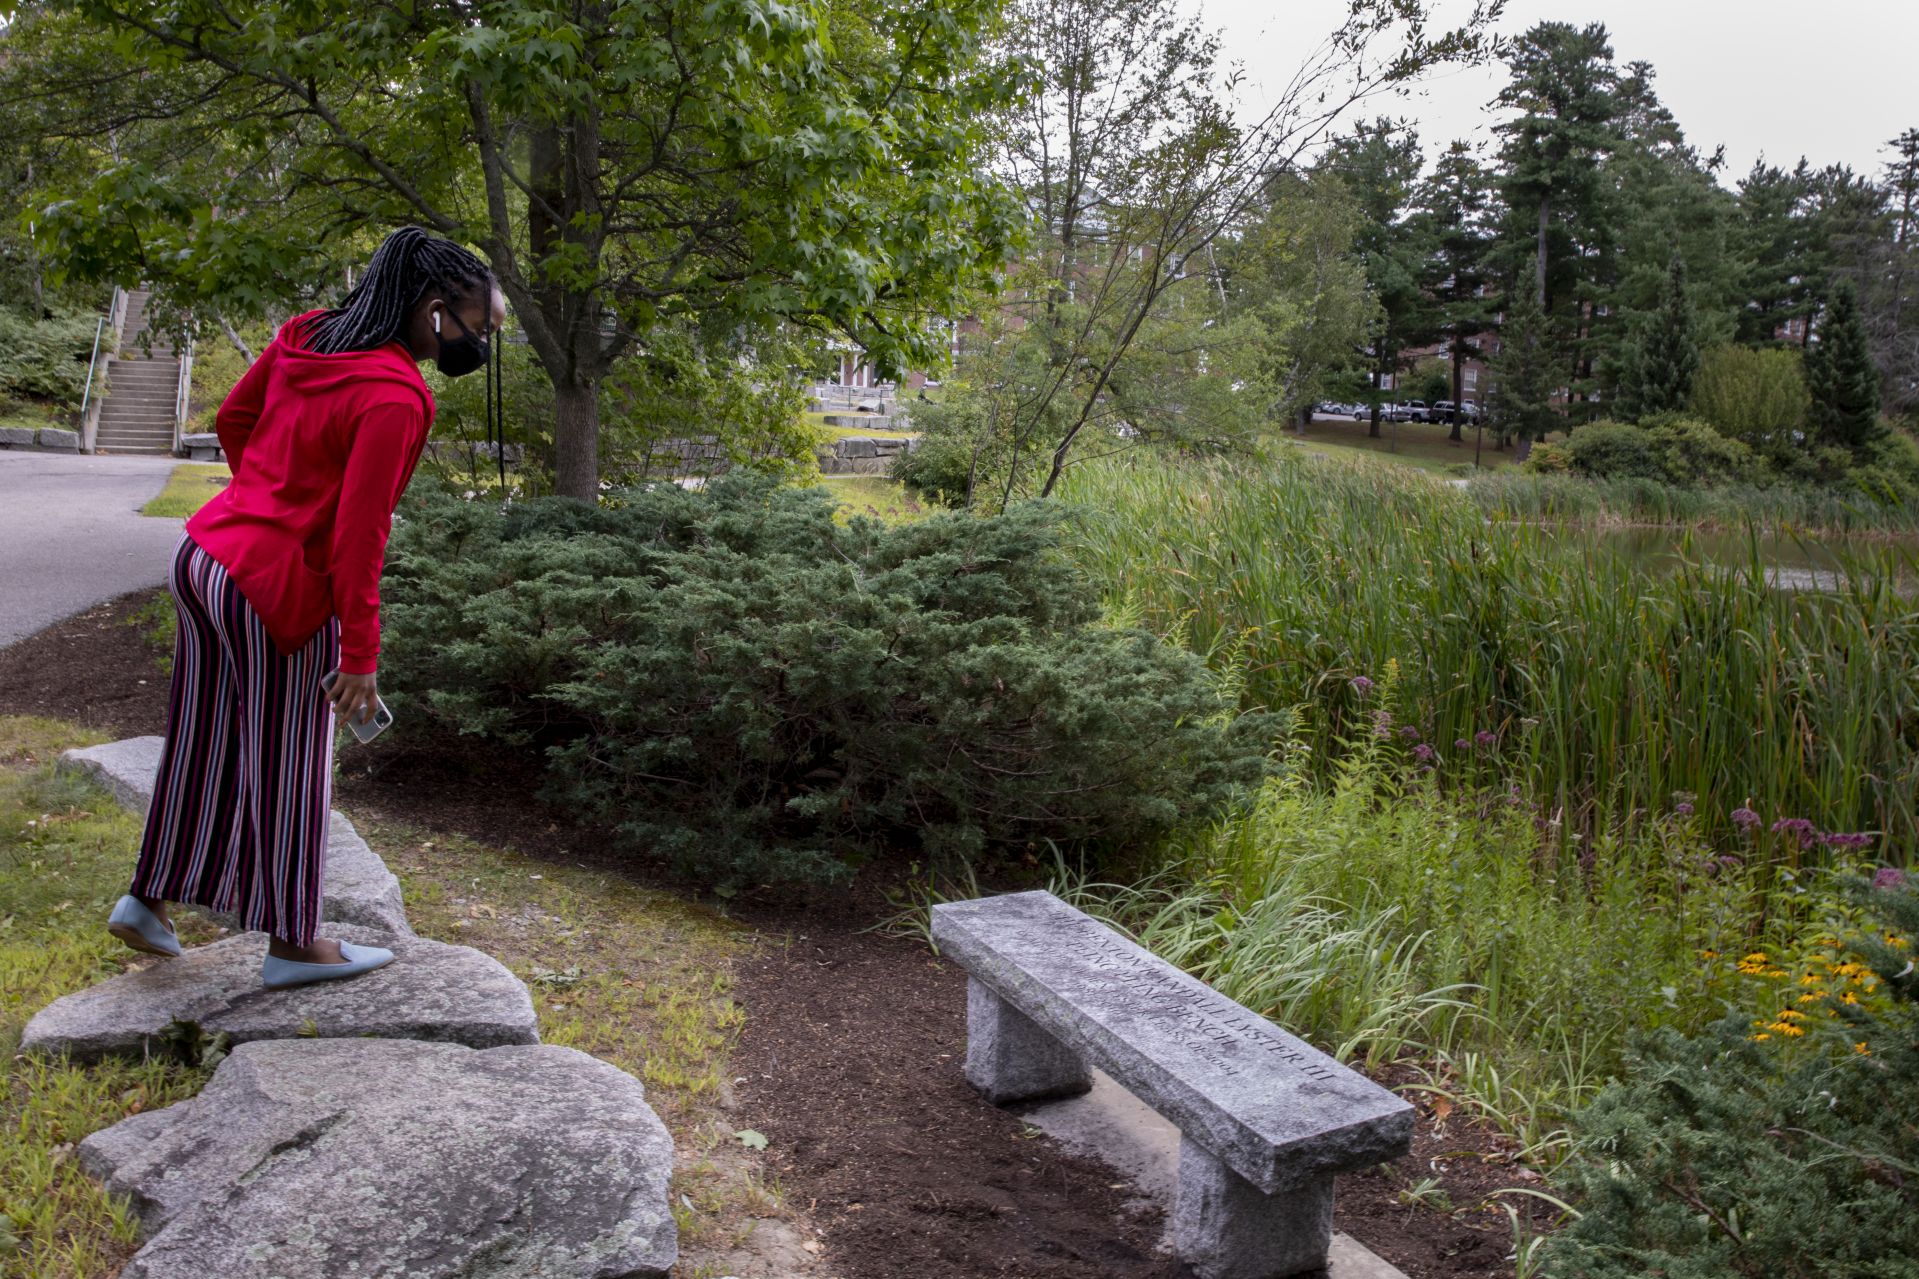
[{"x": 321, "y": 447}]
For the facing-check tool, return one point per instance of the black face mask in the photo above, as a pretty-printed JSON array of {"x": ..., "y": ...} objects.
[{"x": 462, "y": 355}]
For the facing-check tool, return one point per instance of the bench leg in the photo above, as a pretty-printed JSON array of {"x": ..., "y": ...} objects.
[
  {"x": 1227, "y": 1228},
  {"x": 1009, "y": 1059}
]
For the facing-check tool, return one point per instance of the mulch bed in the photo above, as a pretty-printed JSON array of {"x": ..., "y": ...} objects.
[{"x": 849, "y": 1060}]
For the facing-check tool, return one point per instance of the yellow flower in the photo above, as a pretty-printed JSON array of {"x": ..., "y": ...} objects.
[
  {"x": 1777, "y": 972},
  {"x": 1791, "y": 1013},
  {"x": 1861, "y": 1049},
  {"x": 1787, "y": 1028},
  {"x": 1848, "y": 998},
  {"x": 1809, "y": 980},
  {"x": 1709, "y": 954},
  {"x": 1900, "y": 942},
  {"x": 1762, "y": 1035},
  {"x": 1757, "y": 957},
  {"x": 1810, "y": 997}
]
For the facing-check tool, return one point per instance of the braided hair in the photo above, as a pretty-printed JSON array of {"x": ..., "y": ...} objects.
[{"x": 404, "y": 268}]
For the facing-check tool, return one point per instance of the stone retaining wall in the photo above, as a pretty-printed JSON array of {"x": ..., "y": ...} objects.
[{"x": 52, "y": 439}]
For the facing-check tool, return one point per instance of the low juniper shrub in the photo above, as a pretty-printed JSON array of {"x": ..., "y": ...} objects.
[
  {"x": 736, "y": 683},
  {"x": 1781, "y": 1150}
]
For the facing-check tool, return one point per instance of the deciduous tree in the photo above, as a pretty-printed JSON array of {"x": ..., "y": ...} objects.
[{"x": 720, "y": 164}]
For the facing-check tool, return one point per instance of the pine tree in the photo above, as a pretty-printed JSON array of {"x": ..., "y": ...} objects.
[
  {"x": 1841, "y": 376},
  {"x": 1559, "y": 231},
  {"x": 1523, "y": 372},
  {"x": 1379, "y": 164},
  {"x": 1770, "y": 240},
  {"x": 1454, "y": 203},
  {"x": 1664, "y": 355}
]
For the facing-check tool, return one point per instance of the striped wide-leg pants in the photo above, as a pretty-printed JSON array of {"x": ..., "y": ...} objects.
[{"x": 239, "y": 815}]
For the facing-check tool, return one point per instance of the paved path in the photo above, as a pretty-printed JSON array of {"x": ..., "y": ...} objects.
[{"x": 71, "y": 534}]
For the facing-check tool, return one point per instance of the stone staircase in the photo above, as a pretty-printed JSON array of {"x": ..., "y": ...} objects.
[
  {"x": 137, "y": 415},
  {"x": 407, "y": 1124}
]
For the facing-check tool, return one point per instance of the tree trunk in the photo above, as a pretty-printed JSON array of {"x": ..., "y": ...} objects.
[
  {"x": 576, "y": 441},
  {"x": 1459, "y": 384},
  {"x": 1373, "y": 430},
  {"x": 1523, "y": 449}
]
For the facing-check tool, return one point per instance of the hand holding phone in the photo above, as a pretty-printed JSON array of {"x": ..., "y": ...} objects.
[{"x": 365, "y": 726}]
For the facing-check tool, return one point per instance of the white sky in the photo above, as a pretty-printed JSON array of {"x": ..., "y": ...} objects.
[{"x": 1832, "y": 80}]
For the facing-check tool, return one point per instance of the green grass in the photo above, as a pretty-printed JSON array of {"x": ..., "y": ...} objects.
[
  {"x": 629, "y": 974},
  {"x": 1420, "y": 445},
  {"x": 1612, "y": 690},
  {"x": 65, "y": 855},
  {"x": 1506, "y": 909},
  {"x": 1518, "y": 495},
  {"x": 818, "y": 422},
  {"x": 190, "y": 487},
  {"x": 1388, "y": 922},
  {"x": 876, "y": 496}
]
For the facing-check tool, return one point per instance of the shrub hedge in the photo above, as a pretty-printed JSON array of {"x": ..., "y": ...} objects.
[
  {"x": 44, "y": 359},
  {"x": 736, "y": 683}
]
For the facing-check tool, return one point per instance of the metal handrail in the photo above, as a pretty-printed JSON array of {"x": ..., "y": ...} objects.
[{"x": 115, "y": 318}]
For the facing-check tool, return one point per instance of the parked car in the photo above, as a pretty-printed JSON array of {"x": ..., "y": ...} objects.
[
  {"x": 1443, "y": 411},
  {"x": 1408, "y": 411},
  {"x": 1469, "y": 410}
]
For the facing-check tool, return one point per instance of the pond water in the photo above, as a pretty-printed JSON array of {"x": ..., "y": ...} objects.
[{"x": 1794, "y": 564}]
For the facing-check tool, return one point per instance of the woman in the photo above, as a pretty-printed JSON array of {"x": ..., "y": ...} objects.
[{"x": 276, "y": 583}]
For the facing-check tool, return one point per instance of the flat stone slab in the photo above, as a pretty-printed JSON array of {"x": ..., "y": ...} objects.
[
  {"x": 1271, "y": 1107},
  {"x": 126, "y": 768},
  {"x": 431, "y": 991},
  {"x": 357, "y": 887},
  {"x": 353, "y": 1157}
]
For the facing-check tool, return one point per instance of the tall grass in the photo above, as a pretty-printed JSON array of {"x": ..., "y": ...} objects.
[
  {"x": 1386, "y": 921},
  {"x": 1609, "y": 692},
  {"x": 1517, "y": 495}
]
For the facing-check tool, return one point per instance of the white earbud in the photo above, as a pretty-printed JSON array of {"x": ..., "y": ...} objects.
[{"x": 436, "y": 321}]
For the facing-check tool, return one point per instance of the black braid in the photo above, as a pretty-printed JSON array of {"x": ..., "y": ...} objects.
[{"x": 404, "y": 268}]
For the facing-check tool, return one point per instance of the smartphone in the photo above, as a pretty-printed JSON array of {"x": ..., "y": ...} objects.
[{"x": 364, "y": 729}]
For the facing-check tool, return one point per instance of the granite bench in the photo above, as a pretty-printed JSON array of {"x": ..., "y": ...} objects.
[{"x": 1266, "y": 1121}]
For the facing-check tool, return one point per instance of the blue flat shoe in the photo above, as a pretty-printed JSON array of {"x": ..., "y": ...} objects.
[
  {"x": 141, "y": 929},
  {"x": 278, "y": 974}
]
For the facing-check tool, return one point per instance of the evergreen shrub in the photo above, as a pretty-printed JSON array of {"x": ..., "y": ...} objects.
[
  {"x": 1691, "y": 452},
  {"x": 1667, "y": 449},
  {"x": 45, "y": 359},
  {"x": 1613, "y": 450},
  {"x": 734, "y": 682},
  {"x": 1784, "y": 1149}
]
